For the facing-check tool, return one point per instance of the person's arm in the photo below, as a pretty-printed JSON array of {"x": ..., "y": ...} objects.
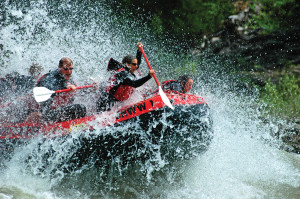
[
  {"x": 139, "y": 53},
  {"x": 139, "y": 57},
  {"x": 49, "y": 82},
  {"x": 136, "y": 83},
  {"x": 44, "y": 106}
]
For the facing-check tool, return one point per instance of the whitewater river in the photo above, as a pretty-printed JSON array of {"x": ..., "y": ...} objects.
[{"x": 243, "y": 160}]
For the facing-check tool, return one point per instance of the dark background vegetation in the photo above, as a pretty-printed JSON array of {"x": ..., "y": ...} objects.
[
  {"x": 261, "y": 38},
  {"x": 256, "y": 42}
]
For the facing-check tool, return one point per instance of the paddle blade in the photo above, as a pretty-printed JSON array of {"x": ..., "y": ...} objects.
[
  {"x": 164, "y": 98},
  {"x": 42, "y": 94}
]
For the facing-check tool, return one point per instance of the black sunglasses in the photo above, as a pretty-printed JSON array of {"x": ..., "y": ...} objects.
[
  {"x": 135, "y": 64},
  {"x": 68, "y": 69}
]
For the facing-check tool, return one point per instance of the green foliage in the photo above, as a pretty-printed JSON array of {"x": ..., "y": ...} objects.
[
  {"x": 283, "y": 100},
  {"x": 274, "y": 15},
  {"x": 199, "y": 16},
  {"x": 158, "y": 24},
  {"x": 189, "y": 20},
  {"x": 181, "y": 19}
]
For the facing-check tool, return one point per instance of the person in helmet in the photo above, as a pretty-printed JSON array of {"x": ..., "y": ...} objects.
[{"x": 183, "y": 85}]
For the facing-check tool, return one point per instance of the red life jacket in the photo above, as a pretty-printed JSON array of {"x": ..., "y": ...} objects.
[
  {"x": 30, "y": 103},
  {"x": 60, "y": 99},
  {"x": 122, "y": 92},
  {"x": 42, "y": 77}
]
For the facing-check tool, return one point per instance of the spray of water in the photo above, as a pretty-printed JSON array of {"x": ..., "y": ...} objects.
[{"x": 243, "y": 160}]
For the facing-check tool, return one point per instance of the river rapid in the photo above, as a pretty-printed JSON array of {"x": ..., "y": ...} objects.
[{"x": 243, "y": 160}]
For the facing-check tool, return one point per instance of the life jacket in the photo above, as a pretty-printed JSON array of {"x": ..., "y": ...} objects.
[
  {"x": 167, "y": 81},
  {"x": 43, "y": 76},
  {"x": 30, "y": 103},
  {"x": 163, "y": 84},
  {"x": 60, "y": 99},
  {"x": 119, "y": 91},
  {"x": 114, "y": 65}
]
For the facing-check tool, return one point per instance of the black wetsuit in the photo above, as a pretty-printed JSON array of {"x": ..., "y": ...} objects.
[
  {"x": 173, "y": 85},
  {"x": 122, "y": 78},
  {"x": 17, "y": 88},
  {"x": 56, "y": 81},
  {"x": 5, "y": 89},
  {"x": 16, "y": 85},
  {"x": 139, "y": 57}
]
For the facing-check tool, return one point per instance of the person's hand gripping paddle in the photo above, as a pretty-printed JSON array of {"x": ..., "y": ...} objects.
[
  {"x": 42, "y": 93},
  {"x": 163, "y": 96}
]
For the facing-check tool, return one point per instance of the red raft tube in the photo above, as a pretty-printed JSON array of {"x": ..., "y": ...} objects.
[
  {"x": 188, "y": 127},
  {"x": 150, "y": 107}
]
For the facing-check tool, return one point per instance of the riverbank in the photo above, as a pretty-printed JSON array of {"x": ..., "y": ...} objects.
[{"x": 262, "y": 59}]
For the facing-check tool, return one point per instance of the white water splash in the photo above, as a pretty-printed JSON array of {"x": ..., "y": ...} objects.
[{"x": 242, "y": 162}]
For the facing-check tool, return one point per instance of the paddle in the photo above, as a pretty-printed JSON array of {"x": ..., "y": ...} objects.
[
  {"x": 163, "y": 96},
  {"x": 42, "y": 94}
]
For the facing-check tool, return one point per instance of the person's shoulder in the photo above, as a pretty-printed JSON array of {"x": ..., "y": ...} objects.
[
  {"x": 51, "y": 74},
  {"x": 23, "y": 79},
  {"x": 171, "y": 85},
  {"x": 55, "y": 73},
  {"x": 122, "y": 72},
  {"x": 26, "y": 82},
  {"x": 19, "y": 79},
  {"x": 46, "y": 77},
  {"x": 43, "y": 77},
  {"x": 171, "y": 81}
]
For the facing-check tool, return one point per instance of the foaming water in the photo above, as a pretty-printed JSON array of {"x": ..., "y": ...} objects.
[
  {"x": 239, "y": 163},
  {"x": 243, "y": 160}
]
